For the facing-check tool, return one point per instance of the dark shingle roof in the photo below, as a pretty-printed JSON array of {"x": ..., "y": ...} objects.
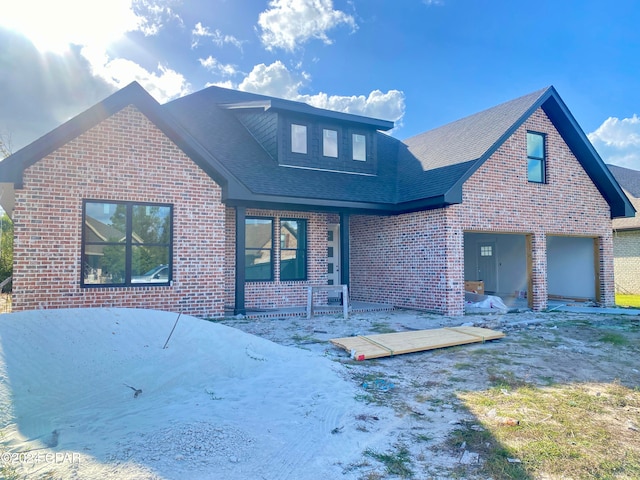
[
  {"x": 629, "y": 180},
  {"x": 426, "y": 171}
]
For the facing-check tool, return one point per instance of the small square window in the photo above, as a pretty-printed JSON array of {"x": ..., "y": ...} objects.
[
  {"x": 329, "y": 143},
  {"x": 359, "y": 143},
  {"x": 486, "y": 250},
  {"x": 298, "y": 138}
]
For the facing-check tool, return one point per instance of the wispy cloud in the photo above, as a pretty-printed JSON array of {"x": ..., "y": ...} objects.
[
  {"x": 287, "y": 24},
  {"x": 213, "y": 65},
  {"x": 216, "y": 36},
  {"x": 618, "y": 141}
]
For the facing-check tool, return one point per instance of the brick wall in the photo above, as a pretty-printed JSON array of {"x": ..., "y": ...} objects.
[
  {"x": 124, "y": 158},
  {"x": 626, "y": 252},
  {"x": 416, "y": 260},
  {"x": 276, "y": 294}
]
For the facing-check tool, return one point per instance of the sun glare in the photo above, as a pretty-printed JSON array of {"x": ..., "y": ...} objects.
[{"x": 54, "y": 25}]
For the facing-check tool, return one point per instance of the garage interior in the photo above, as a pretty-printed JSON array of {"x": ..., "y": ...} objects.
[{"x": 501, "y": 261}]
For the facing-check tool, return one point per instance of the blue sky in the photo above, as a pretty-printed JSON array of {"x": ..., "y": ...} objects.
[{"x": 420, "y": 63}]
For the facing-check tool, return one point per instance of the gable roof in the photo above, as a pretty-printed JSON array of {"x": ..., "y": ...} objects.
[{"x": 426, "y": 171}]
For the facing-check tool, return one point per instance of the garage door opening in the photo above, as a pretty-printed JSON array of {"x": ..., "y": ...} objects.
[
  {"x": 500, "y": 262},
  {"x": 573, "y": 268}
]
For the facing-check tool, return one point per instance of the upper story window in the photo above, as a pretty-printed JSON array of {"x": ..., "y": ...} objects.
[
  {"x": 126, "y": 244},
  {"x": 298, "y": 138},
  {"x": 536, "y": 158},
  {"x": 329, "y": 143},
  {"x": 258, "y": 249},
  {"x": 359, "y": 147}
]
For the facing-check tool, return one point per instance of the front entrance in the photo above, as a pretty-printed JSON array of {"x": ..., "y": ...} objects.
[{"x": 333, "y": 262}]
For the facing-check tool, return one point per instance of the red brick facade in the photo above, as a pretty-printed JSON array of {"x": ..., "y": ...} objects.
[
  {"x": 416, "y": 260},
  {"x": 413, "y": 260},
  {"x": 124, "y": 158}
]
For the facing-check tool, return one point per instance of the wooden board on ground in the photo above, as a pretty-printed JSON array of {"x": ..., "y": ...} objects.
[{"x": 388, "y": 344}]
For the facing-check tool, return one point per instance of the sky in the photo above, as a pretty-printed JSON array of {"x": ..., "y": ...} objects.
[{"x": 419, "y": 63}]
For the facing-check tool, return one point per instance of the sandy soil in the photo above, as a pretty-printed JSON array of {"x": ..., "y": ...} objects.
[{"x": 266, "y": 399}]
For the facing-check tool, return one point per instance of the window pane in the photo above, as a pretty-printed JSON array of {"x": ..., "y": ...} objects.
[
  {"x": 359, "y": 147},
  {"x": 535, "y": 145},
  {"x": 293, "y": 266},
  {"x": 258, "y": 232},
  {"x": 104, "y": 264},
  {"x": 105, "y": 222},
  {"x": 293, "y": 250},
  {"x": 535, "y": 171},
  {"x": 258, "y": 264},
  {"x": 150, "y": 264},
  {"x": 151, "y": 224},
  {"x": 298, "y": 138},
  {"x": 330, "y": 143},
  {"x": 259, "y": 244}
]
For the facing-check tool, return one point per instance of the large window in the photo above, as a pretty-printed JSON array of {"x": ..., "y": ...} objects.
[
  {"x": 258, "y": 249},
  {"x": 126, "y": 244},
  {"x": 298, "y": 138},
  {"x": 536, "y": 158},
  {"x": 329, "y": 143},
  {"x": 293, "y": 249}
]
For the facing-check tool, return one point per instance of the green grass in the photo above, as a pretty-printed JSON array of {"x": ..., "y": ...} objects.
[
  {"x": 627, "y": 300},
  {"x": 570, "y": 431}
]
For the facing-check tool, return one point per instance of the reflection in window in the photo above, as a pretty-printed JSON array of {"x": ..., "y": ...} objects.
[
  {"x": 126, "y": 244},
  {"x": 535, "y": 158},
  {"x": 329, "y": 143},
  {"x": 359, "y": 143},
  {"x": 258, "y": 249},
  {"x": 298, "y": 138},
  {"x": 293, "y": 249}
]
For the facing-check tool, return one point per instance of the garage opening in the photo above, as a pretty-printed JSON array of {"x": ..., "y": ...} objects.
[
  {"x": 499, "y": 261},
  {"x": 573, "y": 268}
]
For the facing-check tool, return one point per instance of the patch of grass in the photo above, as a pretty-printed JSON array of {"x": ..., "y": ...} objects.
[
  {"x": 464, "y": 366},
  {"x": 614, "y": 338},
  {"x": 396, "y": 462},
  {"x": 568, "y": 431},
  {"x": 627, "y": 300},
  {"x": 505, "y": 379},
  {"x": 305, "y": 339}
]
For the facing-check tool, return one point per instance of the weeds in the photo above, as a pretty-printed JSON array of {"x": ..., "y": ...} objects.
[{"x": 396, "y": 462}]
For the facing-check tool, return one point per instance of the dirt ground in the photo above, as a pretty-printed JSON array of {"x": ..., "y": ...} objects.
[{"x": 409, "y": 401}]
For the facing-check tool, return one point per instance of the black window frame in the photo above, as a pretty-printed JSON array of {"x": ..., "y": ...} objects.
[
  {"x": 300, "y": 251},
  {"x": 128, "y": 245},
  {"x": 541, "y": 160},
  {"x": 271, "y": 250}
]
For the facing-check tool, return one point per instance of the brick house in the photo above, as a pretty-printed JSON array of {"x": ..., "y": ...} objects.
[
  {"x": 626, "y": 235},
  {"x": 230, "y": 199}
]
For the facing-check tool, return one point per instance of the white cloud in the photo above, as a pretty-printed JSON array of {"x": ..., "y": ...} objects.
[
  {"x": 213, "y": 65},
  {"x": 216, "y": 36},
  {"x": 164, "y": 84},
  {"x": 618, "y": 141},
  {"x": 289, "y": 23},
  {"x": 277, "y": 81}
]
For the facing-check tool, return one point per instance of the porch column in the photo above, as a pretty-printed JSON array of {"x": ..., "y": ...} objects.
[
  {"x": 241, "y": 214},
  {"x": 344, "y": 249},
  {"x": 537, "y": 267}
]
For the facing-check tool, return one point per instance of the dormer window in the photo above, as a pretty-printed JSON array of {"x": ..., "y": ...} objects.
[
  {"x": 329, "y": 143},
  {"x": 298, "y": 138},
  {"x": 359, "y": 144}
]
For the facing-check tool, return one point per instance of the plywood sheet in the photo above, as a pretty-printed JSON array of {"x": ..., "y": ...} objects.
[{"x": 388, "y": 344}]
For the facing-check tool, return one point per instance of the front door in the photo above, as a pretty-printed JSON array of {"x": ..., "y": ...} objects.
[
  {"x": 487, "y": 271},
  {"x": 333, "y": 260}
]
